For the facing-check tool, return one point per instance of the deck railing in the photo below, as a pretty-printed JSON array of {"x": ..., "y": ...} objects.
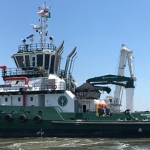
[
  {"x": 34, "y": 87},
  {"x": 33, "y": 47},
  {"x": 26, "y": 72}
]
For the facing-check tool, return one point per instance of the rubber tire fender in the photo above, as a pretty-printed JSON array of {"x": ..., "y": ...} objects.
[
  {"x": 8, "y": 117},
  {"x": 37, "y": 119},
  {"x": 22, "y": 118}
]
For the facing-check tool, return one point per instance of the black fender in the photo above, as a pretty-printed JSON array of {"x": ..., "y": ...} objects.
[
  {"x": 8, "y": 117},
  {"x": 22, "y": 118},
  {"x": 37, "y": 119}
]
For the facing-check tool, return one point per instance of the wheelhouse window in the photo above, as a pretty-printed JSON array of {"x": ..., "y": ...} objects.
[
  {"x": 27, "y": 61},
  {"x": 40, "y": 60},
  {"x": 15, "y": 62},
  {"x": 20, "y": 61},
  {"x": 52, "y": 64},
  {"x": 33, "y": 61},
  {"x": 47, "y": 56}
]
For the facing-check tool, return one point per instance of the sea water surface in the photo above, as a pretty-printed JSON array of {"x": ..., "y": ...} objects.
[{"x": 74, "y": 143}]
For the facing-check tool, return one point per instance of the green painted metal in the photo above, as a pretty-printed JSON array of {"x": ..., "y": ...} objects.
[
  {"x": 112, "y": 79},
  {"x": 74, "y": 124}
]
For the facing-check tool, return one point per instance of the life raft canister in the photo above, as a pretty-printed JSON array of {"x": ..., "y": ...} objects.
[
  {"x": 22, "y": 118},
  {"x": 37, "y": 119},
  {"x": 8, "y": 117}
]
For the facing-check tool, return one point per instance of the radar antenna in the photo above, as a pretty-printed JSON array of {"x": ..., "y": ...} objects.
[{"x": 30, "y": 37}]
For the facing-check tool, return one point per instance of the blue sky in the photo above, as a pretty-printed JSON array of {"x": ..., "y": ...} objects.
[{"x": 97, "y": 27}]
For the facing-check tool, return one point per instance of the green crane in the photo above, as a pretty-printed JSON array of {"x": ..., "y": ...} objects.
[{"x": 127, "y": 82}]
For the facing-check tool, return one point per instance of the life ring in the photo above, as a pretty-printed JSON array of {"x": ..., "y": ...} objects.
[
  {"x": 22, "y": 118},
  {"x": 8, "y": 117},
  {"x": 54, "y": 86},
  {"x": 37, "y": 119}
]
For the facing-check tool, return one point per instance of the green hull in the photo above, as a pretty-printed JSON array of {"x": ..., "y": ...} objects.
[{"x": 19, "y": 121}]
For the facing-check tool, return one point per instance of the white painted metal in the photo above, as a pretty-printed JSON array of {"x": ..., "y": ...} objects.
[
  {"x": 125, "y": 55},
  {"x": 39, "y": 83},
  {"x": 130, "y": 99}
]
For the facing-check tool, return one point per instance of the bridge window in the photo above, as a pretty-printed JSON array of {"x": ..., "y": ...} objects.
[
  {"x": 40, "y": 60},
  {"x": 20, "y": 61},
  {"x": 15, "y": 62},
  {"x": 52, "y": 64},
  {"x": 27, "y": 62},
  {"x": 47, "y": 56},
  {"x": 33, "y": 61}
]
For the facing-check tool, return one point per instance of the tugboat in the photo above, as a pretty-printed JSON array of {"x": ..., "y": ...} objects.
[{"x": 38, "y": 99}]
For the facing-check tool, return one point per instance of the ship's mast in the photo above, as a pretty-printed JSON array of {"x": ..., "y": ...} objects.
[{"x": 44, "y": 13}]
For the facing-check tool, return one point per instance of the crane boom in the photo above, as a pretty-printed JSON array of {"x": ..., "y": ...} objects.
[
  {"x": 125, "y": 55},
  {"x": 127, "y": 82}
]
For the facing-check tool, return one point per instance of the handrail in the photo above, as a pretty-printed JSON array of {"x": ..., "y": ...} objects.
[
  {"x": 33, "y": 47},
  {"x": 18, "y": 72},
  {"x": 33, "y": 87}
]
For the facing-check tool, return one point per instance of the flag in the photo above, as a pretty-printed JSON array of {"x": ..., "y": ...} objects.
[
  {"x": 41, "y": 11},
  {"x": 44, "y": 13},
  {"x": 47, "y": 15}
]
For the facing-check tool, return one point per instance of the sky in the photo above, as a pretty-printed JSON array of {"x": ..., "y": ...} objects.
[{"x": 98, "y": 28}]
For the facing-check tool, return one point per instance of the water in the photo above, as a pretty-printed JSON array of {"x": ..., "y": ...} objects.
[{"x": 74, "y": 143}]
